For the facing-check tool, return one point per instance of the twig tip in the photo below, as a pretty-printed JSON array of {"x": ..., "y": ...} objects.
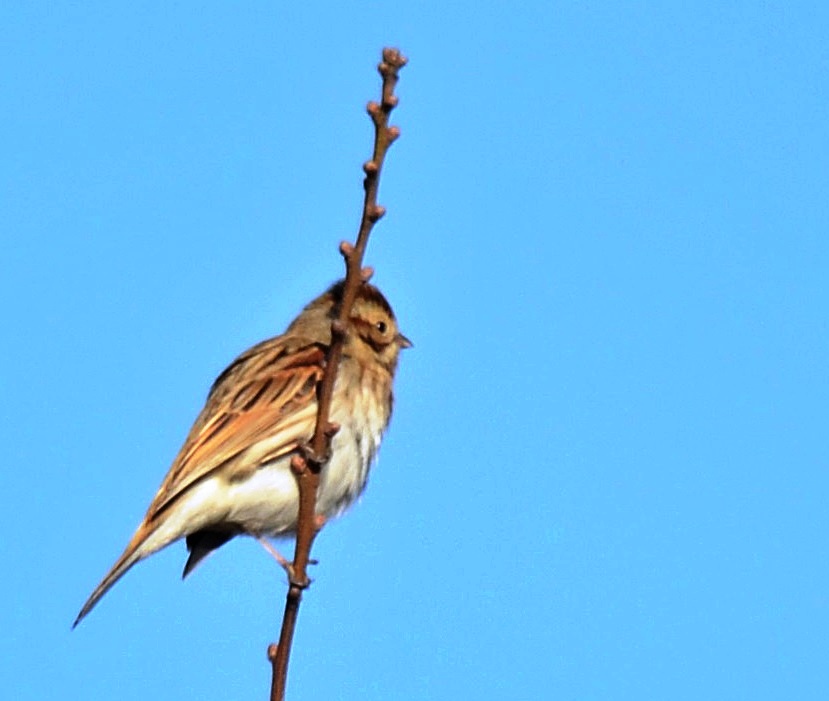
[{"x": 393, "y": 57}]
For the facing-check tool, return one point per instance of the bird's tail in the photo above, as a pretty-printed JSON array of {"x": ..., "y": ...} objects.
[{"x": 132, "y": 554}]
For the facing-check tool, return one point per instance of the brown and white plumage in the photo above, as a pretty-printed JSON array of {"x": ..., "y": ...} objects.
[{"x": 232, "y": 474}]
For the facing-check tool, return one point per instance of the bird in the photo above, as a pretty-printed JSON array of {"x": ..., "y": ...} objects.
[{"x": 232, "y": 475}]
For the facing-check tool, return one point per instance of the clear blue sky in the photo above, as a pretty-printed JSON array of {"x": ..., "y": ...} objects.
[{"x": 606, "y": 477}]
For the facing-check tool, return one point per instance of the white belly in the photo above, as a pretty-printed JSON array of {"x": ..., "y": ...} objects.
[{"x": 266, "y": 502}]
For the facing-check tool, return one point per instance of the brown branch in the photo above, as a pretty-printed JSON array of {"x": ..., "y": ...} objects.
[{"x": 307, "y": 465}]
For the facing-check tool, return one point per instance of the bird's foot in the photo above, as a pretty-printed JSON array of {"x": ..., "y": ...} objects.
[
  {"x": 274, "y": 553},
  {"x": 284, "y": 563}
]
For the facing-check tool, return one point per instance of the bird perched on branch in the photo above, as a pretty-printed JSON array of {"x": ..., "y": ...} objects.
[{"x": 232, "y": 476}]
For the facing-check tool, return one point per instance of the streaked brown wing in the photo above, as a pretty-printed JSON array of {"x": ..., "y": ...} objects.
[{"x": 261, "y": 407}]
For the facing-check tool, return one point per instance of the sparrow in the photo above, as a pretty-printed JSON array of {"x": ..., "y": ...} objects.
[{"x": 232, "y": 476}]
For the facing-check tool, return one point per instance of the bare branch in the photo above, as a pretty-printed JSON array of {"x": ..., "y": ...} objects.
[{"x": 307, "y": 466}]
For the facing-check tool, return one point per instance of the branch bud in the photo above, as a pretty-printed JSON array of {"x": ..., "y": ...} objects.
[
  {"x": 298, "y": 464},
  {"x": 393, "y": 57},
  {"x": 337, "y": 328}
]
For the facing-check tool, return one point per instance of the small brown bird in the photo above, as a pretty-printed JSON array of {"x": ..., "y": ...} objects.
[{"x": 232, "y": 476}]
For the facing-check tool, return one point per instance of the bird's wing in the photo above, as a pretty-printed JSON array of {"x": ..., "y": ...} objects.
[{"x": 262, "y": 407}]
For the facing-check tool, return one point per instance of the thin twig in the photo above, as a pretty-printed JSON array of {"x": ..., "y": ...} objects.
[{"x": 307, "y": 465}]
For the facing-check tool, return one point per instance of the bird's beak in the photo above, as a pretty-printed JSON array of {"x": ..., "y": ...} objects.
[{"x": 403, "y": 342}]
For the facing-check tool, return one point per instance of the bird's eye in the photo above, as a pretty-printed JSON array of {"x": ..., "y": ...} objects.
[{"x": 381, "y": 326}]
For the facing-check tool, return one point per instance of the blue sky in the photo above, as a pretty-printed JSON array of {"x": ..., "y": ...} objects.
[{"x": 606, "y": 477}]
